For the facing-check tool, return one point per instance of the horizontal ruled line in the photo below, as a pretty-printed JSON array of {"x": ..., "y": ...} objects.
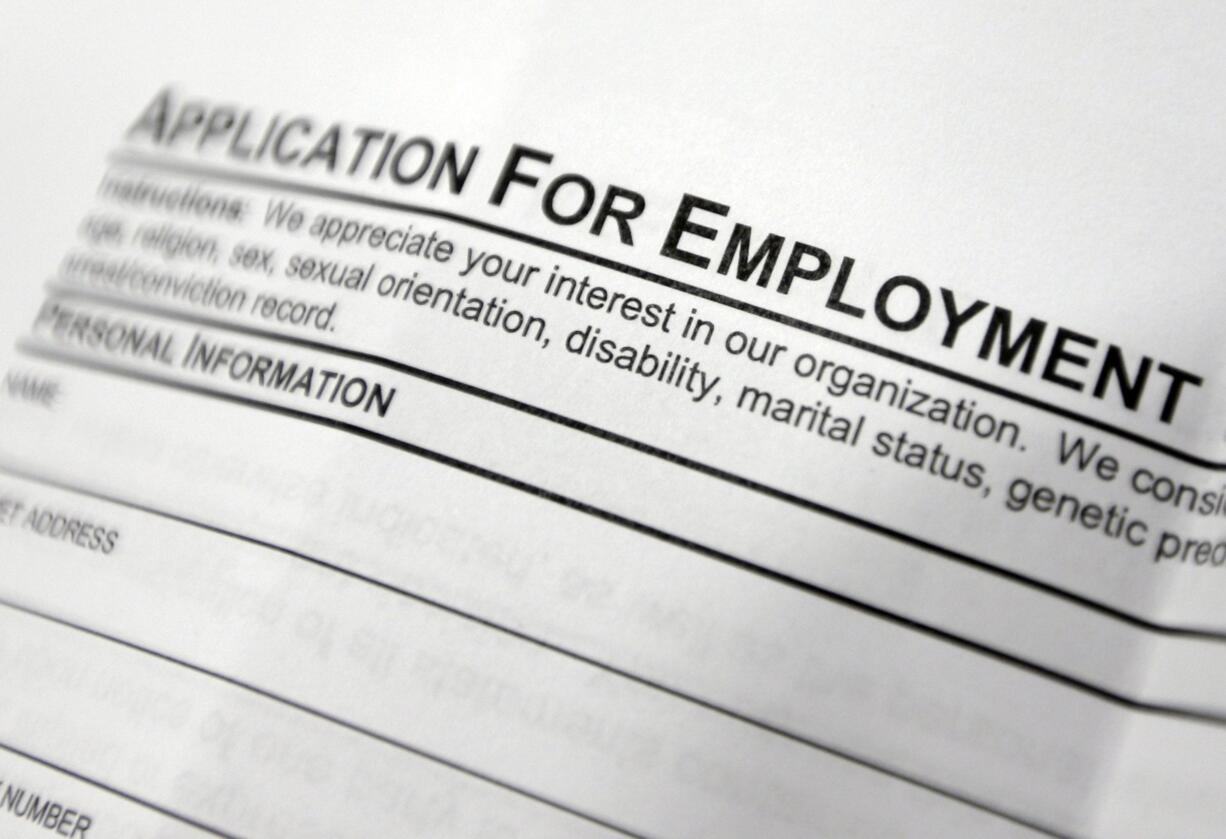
[
  {"x": 535, "y": 641},
  {"x": 320, "y": 714},
  {"x": 126, "y": 796},
  {"x": 1075, "y": 683},
  {"x": 981, "y": 565}
]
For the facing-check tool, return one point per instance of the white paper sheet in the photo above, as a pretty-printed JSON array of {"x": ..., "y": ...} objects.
[{"x": 581, "y": 421}]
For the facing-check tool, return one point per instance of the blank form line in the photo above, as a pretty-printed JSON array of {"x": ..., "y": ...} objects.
[
  {"x": 320, "y": 714},
  {"x": 984, "y": 566},
  {"x": 127, "y": 796},
  {"x": 1196, "y": 715},
  {"x": 462, "y": 614}
]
